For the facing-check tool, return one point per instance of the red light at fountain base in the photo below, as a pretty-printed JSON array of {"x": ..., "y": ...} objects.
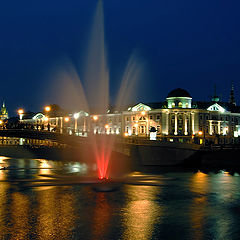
[{"x": 102, "y": 166}]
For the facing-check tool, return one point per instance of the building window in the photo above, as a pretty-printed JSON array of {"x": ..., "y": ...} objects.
[
  {"x": 158, "y": 129},
  {"x": 207, "y": 117},
  {"x": 133, "y": 118},
  {"x": 142, "y": 119},
  {"x": 127, "y": 128},
  {"x": 151, "y": 117},
  {"x": 180, "y": 104},
  {"x": 187, "y": 105},
  {"x": 173, "y": 105},
  {"x": 200, "y": 117},
  {"x": 127, "y": 119},
  {"x": 226, "y": 118},
  {"x": 134, "y": 130},
  {"x": 158, "y": 117}
]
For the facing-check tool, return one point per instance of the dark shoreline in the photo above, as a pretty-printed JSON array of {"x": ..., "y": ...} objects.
[{"x": 205, "y": 161}]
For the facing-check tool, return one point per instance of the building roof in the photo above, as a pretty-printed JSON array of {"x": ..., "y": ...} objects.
[{"x": 178, "y": 92}]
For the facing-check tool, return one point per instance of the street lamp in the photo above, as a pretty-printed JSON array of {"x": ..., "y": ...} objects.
[
  {"x": 76, "y": 116},
  {"x": 66, "y": 119},
  {"x": 47, "y": 108},
  {"x": 20, "y": 112},
  {"x": 95, "y": 117}
]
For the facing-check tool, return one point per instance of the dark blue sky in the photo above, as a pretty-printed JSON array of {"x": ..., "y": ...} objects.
[{"x": 187, "y": 44}]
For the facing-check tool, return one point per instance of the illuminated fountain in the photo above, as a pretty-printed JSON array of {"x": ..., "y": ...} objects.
[{"x": 96, "y": 89}]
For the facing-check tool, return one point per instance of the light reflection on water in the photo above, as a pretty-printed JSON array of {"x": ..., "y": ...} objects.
[
  {"x": 141, "y": 212},
  {"x": 168, "y": 205}
]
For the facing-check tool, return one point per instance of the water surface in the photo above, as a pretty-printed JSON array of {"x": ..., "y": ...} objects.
[{"x": 36, "y": 204}]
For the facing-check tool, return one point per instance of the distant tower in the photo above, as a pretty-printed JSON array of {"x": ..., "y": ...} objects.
[
  {"x": 3, "y": 112},
  {"x": 215, "y": 98},
  {"x": 232, "y": 98}
]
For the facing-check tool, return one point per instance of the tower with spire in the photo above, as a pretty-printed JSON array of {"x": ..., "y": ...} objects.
[
  {"x": 215, "y": 98},
  {"x": 232, "y": 100},
  {"x": 3, "y": 112}
]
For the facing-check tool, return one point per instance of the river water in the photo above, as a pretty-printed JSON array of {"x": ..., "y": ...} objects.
[{"x": 35, "y": 203}]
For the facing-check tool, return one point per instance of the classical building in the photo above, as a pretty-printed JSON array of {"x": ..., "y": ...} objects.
[{"x": 178, "y": 118}]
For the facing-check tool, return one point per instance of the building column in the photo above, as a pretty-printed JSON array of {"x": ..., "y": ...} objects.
[
  {"x": 193, "y": 130},
  {"x": 167, "y": 116},
  {"x": 61, "y": 124},
  {"x": 175, "y": 132},
  {"x": 210, "y": 127},
  {"x": 185, "y": 128},
  {"x": 219, "y": 128}
]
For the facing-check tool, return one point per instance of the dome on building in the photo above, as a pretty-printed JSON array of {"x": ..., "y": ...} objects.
[{"x": 179, "y": 92}]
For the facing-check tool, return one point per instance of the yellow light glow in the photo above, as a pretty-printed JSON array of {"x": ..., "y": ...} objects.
[
  {"x": 76, "y": 115},
  {"x": 1, "y": 122},
  {"x": 20, "y": 111},
  {"x": 200, "y": 133},
  {"x": 106, "y": 126},
  {"x": 45, "y": 119},
  {"x": 143, "y": 113},
  {"x": 47, "y": 108},
  {"x": 95, "y": 117},
  {"x": 126, "y": 134},
  {"x": 66, "y": 119},
  {"x": 136, "y": 125}
]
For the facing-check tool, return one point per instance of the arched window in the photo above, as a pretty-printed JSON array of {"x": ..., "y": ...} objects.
[
  {"x": 186, "y": 105},
  {"x": 180, "y": 104},
  {"x": 173, "y": 105}
]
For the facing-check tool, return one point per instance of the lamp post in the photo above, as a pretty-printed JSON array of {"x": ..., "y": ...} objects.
[
  {"x": 66, "y": 119},
  {"x": 20, "y": 113},
  {"x": 76, "y": 116},
  {"x": 47, "y": 109}
]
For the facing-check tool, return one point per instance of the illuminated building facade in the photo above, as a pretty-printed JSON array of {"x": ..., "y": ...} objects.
[{"x": 178, "y": 118}]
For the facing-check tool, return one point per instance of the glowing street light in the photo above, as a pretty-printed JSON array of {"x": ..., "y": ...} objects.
[
  {"x": 47, "y": 108},
  {"x": 46, "y": 119},
  {"x": 1, "y": 122},
  {"x": 200, "y": 133},
  {"x": 143, "y": 113},
  {"x": 95, "y": 117},
  {"x": 76, "y": 116},
  {"x": 106, "y": 126},
  {"x": 20, "y": 112},
  {"x": 66, "y": 119}
]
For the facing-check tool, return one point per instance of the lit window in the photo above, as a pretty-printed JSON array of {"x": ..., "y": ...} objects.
[
  {"x": 173, "y": 105},
  {"x": 180, "y": 104}
]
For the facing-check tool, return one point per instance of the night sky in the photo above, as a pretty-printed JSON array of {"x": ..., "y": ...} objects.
[{"x": 188, "y": 44}]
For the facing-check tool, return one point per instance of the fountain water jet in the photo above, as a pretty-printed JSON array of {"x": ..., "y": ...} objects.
[{"x": 96, "y": 83}]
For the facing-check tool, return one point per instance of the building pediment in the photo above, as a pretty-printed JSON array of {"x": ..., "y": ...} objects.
[
  {"x": 140, "y": 107},
  {"x": 38, "y": 116},
  {"x": 216, "y": 107}
]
